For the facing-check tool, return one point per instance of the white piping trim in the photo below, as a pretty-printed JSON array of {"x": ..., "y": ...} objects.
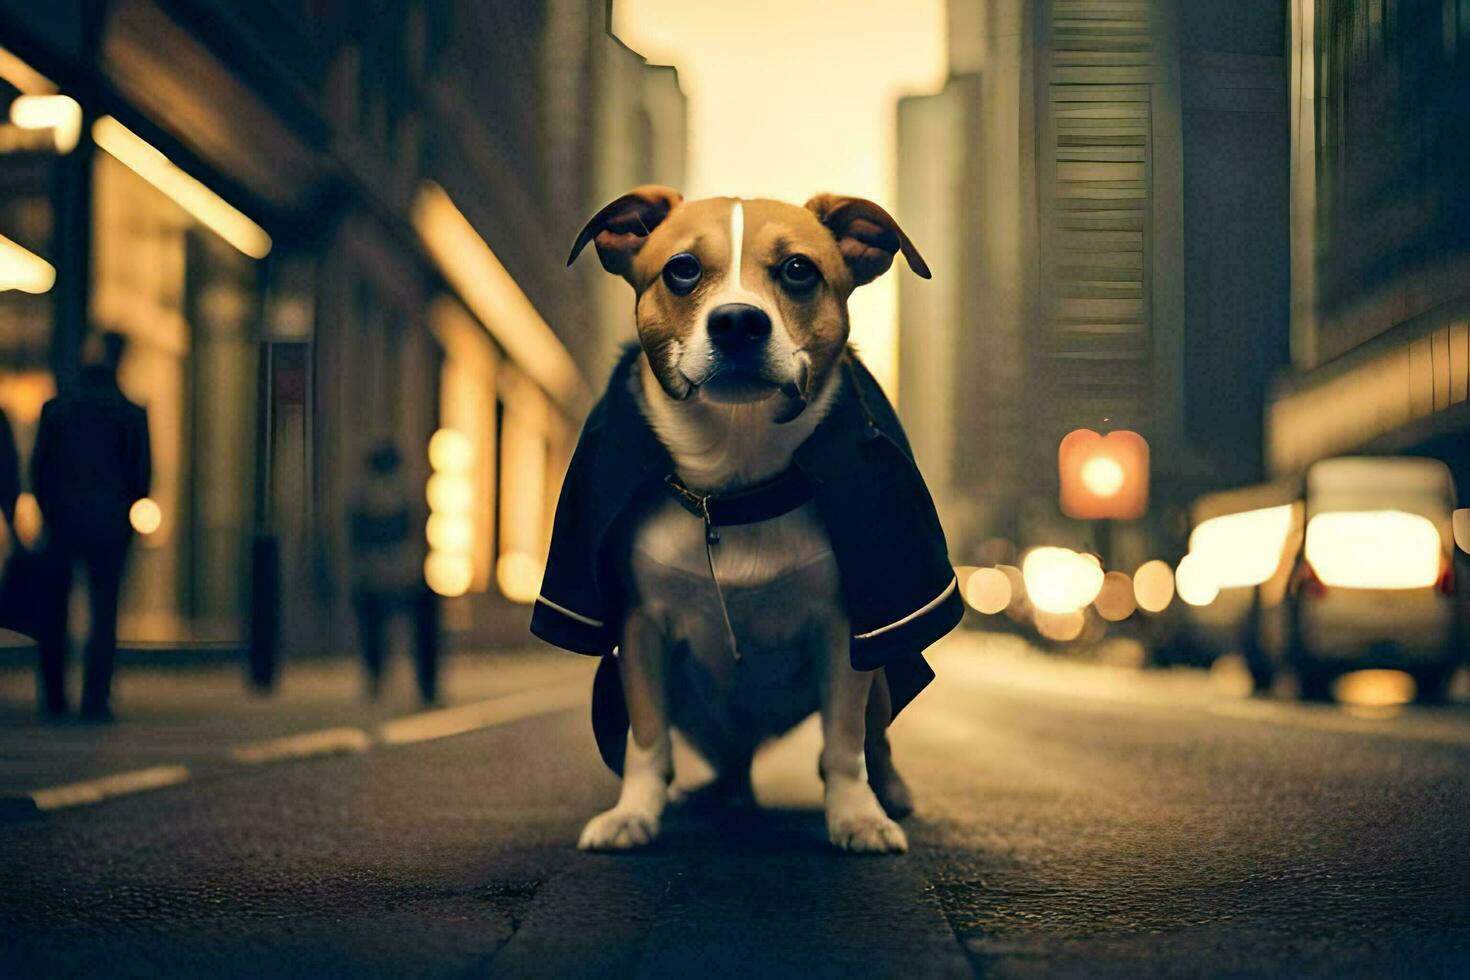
[
  {"x": 953, "y": 583},
  {"x": 568, "y": 613}
]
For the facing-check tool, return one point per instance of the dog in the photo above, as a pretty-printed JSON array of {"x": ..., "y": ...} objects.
[{"x": 732, "y": 632}]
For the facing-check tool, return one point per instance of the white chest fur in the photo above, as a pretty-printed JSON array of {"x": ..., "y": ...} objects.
[
  {"x": 779, "y": 587},
  {"x": 750, "y": 562}
]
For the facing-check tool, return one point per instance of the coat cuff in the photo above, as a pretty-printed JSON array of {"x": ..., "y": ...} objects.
[
  {"x": 910, "y": 634},
  {"x": 565, "y": 627}
]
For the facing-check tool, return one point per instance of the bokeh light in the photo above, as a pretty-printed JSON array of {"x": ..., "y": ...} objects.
[
  {"x": 1153, "y": 586},
  {"x": 450, "y": 451},
  {"x": 1374, "y": 688},
  {"x": 1115, "y": 601},
  {"x": 988, "y": 590},
  {"x": 1061, "y": 627},
  {"x": 449, "y": 532},
  {"x": 1195, "y": 581},
  {"x": 1230, "y": 676},
  {"x": 449, "y": 493},
  {"x": 447, "y": 573},
  {"x": 1059, "y": 580},
  {"x": 145, "y": 516},
  {"x": 519, "y": 576},
  {"x": 1019, "y": 606}
]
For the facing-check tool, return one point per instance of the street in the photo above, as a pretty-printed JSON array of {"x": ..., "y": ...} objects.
[
  {"x": 1073, "y": 819},
  {"x": 365, "y": 367}
]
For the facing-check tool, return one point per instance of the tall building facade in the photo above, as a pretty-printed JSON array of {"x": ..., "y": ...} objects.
[
  {"x": 1116, "y": 243},
  {"x": 323, "y": 226},
  {"x": 1380, "y": 234}
]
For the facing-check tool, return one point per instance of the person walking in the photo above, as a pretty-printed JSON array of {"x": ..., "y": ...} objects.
[
  {"x": 386, "y": 570},
  {"x": 9, "y": 476},
  {"x": 91, "y": 463}
]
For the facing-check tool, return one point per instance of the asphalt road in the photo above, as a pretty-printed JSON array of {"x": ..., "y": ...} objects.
[{"x": 1073, "y": 820}]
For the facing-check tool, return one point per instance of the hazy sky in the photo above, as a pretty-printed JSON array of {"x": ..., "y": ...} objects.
[{"x": 791, "y": 97}]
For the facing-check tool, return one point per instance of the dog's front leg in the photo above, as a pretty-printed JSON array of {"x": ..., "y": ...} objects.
[
  {"x": 648, "y": 767},
  {"x": 855, "y": 820}
]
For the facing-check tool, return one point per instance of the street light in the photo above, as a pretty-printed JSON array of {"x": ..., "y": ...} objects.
[{"x": 59, "y": 113}]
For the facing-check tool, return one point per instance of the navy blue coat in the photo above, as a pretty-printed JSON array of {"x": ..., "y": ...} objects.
[{"x": 897, "y": 583}]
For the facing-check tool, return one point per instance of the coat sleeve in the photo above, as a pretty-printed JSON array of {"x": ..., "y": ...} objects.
[
  {"x": 897, "y": 582},
  {"x": 570, "y": 610}
]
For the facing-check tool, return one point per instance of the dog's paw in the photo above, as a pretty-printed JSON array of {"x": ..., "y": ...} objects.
[
  {"x": 870, "y": 834},
  {"x": 619, "y": 829}
]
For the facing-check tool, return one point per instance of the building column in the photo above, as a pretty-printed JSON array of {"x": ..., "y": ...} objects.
[{"x": 71, "y": 196}]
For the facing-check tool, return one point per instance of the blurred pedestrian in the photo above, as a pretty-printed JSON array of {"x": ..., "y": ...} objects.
[
  {"x": 9, "y": 477},
  {"x": 90, "y": 464},
  {"x": 386, "y": 569}
]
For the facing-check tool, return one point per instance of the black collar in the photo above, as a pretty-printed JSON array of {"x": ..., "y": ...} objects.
[{"x": 779, "y": 495}]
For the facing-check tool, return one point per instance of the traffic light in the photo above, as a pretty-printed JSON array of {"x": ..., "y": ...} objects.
[{"x": 1103, "y": 476}]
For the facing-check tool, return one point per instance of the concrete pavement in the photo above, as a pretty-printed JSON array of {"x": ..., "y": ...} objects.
[{"x": 1073, "y": 820}]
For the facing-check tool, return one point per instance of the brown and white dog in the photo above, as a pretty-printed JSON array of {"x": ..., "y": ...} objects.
[{"x": 741, "y": 309}]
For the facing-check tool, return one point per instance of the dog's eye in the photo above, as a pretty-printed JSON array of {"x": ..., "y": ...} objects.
[
  {"x": 799, "y": 273},
  {"x": 681, "y": 273}
]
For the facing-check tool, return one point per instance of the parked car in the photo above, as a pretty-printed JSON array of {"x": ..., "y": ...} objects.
[
  {"x": 1373, "y": 583},
  {"x": 1239, "y": 542}
]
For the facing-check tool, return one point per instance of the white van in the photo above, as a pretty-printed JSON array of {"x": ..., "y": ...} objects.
[{"x": 1373, "y": 581}]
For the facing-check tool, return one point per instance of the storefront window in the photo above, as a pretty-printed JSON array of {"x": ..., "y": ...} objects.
[
  {"x": 524, "y": 517},
  {"x": 27, "y": 277},
  {"x": 187, "y": 301},
  {"x": 467, "y": 394}
]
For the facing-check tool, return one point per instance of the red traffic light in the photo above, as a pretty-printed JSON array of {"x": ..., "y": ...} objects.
[{"x": 1103, "y": 476}]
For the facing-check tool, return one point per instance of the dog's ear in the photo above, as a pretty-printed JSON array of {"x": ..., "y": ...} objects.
[
  {"x": 620, "y": 229},
  {"x": 867, "y": 236}
]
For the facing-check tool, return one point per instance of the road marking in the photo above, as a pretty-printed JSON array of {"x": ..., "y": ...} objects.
[
  {"x": 445, "y": 722},
  {"x": 421, "y": 727},
  {"x": 118, "y": 784},
  {"x": 327, "y": 741}
]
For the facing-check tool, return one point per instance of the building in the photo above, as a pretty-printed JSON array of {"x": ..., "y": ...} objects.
[
  {"x": 1107, "y": 184},
  {"x": 323, "y": 226},
  {"x": 1380, "y": 102}
]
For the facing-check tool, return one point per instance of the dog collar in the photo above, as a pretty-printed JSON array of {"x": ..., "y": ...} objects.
[{"x": 763, "y": 502}]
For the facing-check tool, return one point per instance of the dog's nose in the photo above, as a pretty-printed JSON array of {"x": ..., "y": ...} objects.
[{"x": 736, "y": 326}]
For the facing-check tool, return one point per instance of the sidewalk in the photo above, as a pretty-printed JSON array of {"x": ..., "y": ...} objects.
[{"x": 205, "y": 717}]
